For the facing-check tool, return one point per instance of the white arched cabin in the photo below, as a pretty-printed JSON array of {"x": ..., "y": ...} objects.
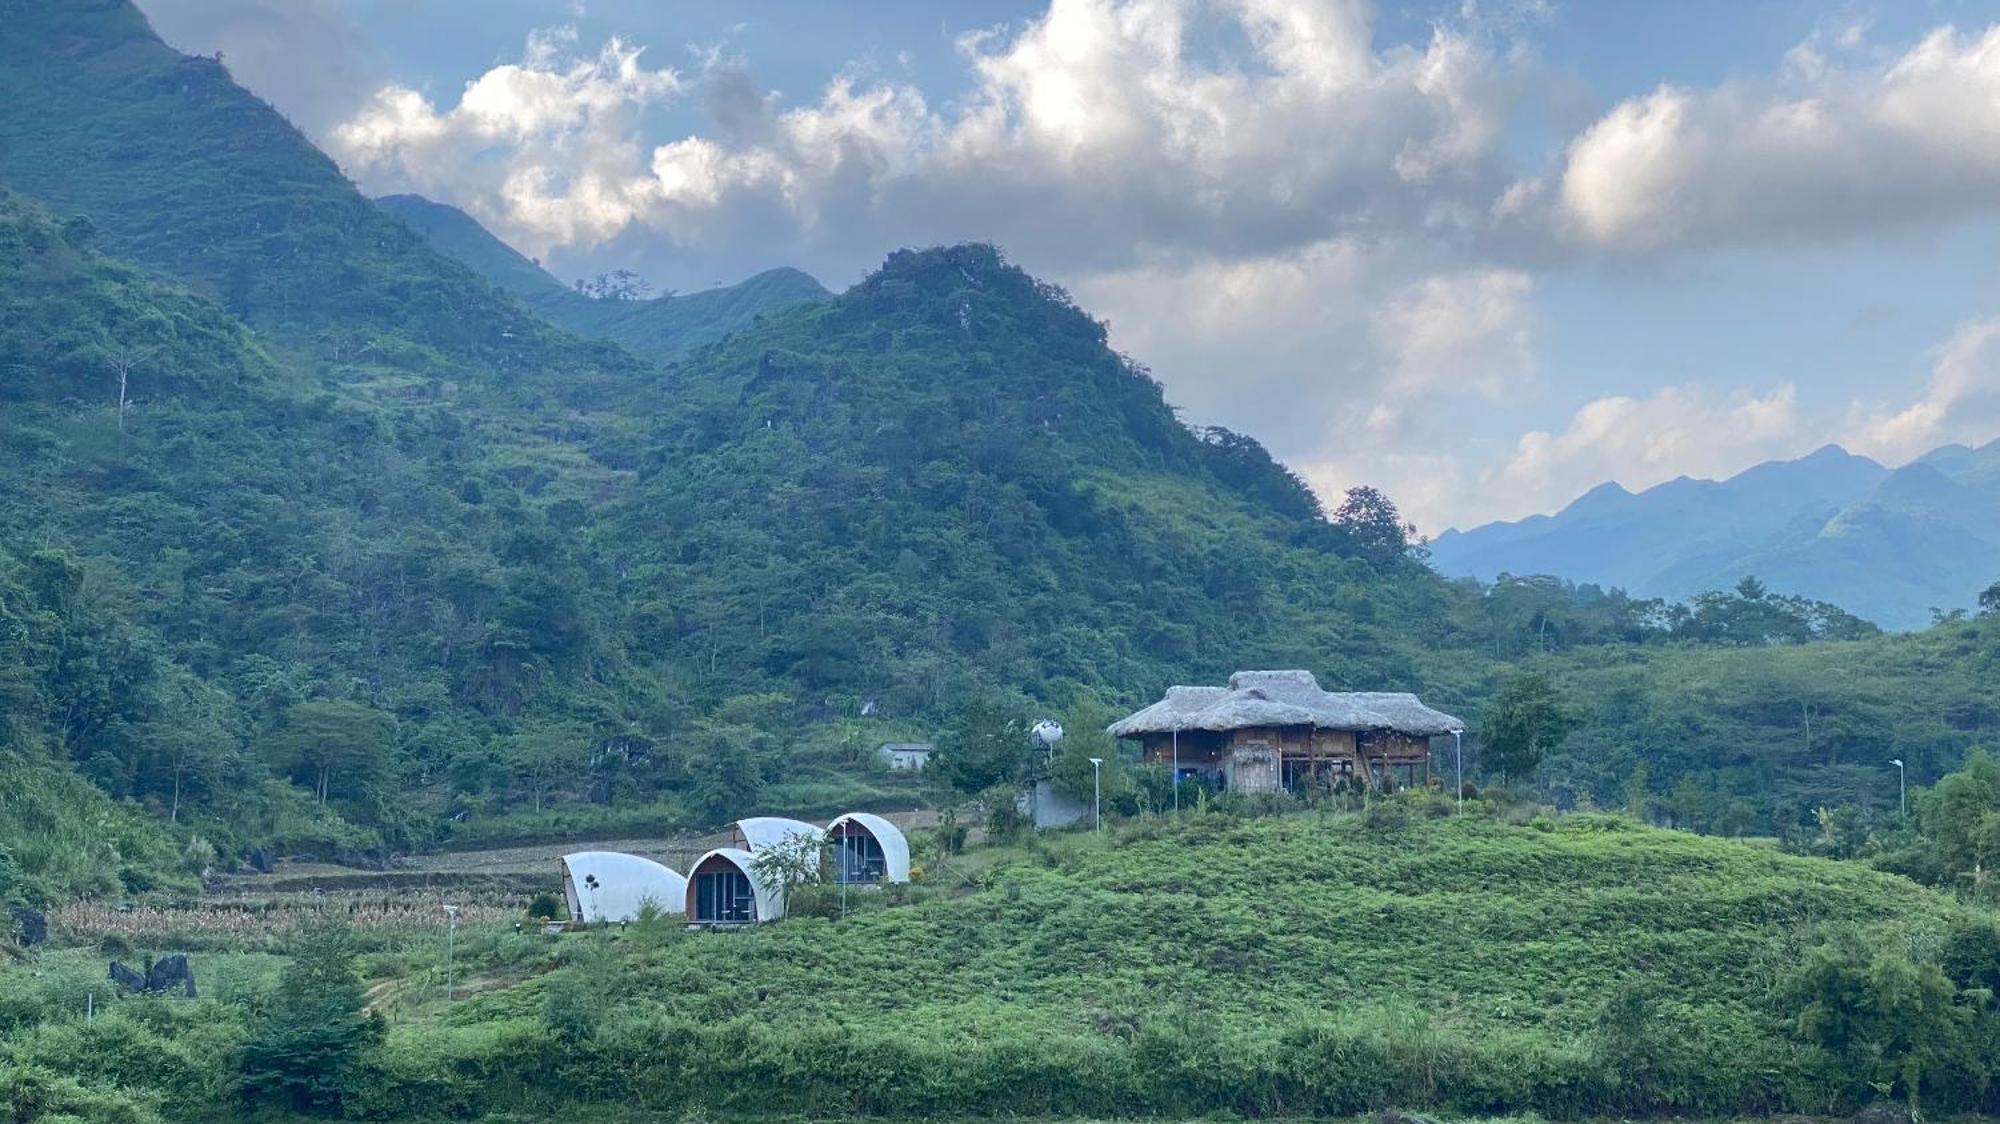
[
  {"x": 868, "y": 848},
  {"x": 604, "y": 886},
  {"x": 723, "y": 889},
  {"x": 759, "y": 832}
]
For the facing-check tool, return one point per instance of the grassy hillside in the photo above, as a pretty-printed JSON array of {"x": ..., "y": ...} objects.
[
  {"x": 1312, "y": 964},
  {"x": 657, "y": 328},
  {"x": 416, "y": 562}
]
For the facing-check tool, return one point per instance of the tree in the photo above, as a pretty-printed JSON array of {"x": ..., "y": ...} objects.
[
  {"x": 300, "y": 1053},
  {"x": 329, "y": 739},
  {"x": 542, "y": 755},
  {"x": 1989, "y": 601},
  {"x": 792, "y": 862},
  {"x": 122, "y": 361},
  {"x": 1891, "y": 1017},
  {"x": 1960, "y": 816},
  {"x": 984, "y": 745},
  {"x": 1522, "y": 724},
  {"x": 1376, "y": 529},
  {"x": 726, "y": 771}
]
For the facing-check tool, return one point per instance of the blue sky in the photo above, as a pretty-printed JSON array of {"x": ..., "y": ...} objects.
[{"x": 1483, "y": 254}]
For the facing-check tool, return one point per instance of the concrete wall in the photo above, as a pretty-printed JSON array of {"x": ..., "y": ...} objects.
[{"x": 1048, "y": 808}]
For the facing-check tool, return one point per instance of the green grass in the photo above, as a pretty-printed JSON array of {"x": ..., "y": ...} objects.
[{"x": 1298, "y": 964}]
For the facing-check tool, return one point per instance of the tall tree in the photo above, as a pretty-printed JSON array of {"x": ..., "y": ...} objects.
[
  {"x": 325, "y": 740},
  {"x": 1522, "y": 724},
  {"x": 301, "y": 1053},
  {"x": 1376, "y": 530}
]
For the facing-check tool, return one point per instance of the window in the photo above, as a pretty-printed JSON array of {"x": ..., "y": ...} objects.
[
  {"x": 861, "y": 858},
  {"x": 724, "y": 897}
]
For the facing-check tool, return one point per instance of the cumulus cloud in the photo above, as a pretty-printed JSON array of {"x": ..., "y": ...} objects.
[
  {"x": 1094, "y": 137},
  {"x": 1837, "y": 145},
  {"x": 1960, "y": 401}
]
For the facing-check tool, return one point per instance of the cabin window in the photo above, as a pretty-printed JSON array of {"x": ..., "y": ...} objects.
[
  {"x": 724, "y": 897},
  {"x": 861, "y": 858}
]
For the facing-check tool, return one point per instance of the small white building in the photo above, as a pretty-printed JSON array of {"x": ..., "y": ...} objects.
[
  {"x": 868, "y": 849},
  {"x": 601, "y": 886},
  {"x": 723, "y": 889},
  {"x": 906, "y": 757}
]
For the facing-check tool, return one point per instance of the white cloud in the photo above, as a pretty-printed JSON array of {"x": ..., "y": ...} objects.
[
  {"x": 1098, "y": 137},
  {"x": 1685, "y": 430},
  {"x": 1841, "y": 145},
  {"x": 544, "y": 145},
  {"x": 1462, "y": 331},
  {"x": 1960, "y": 402}
]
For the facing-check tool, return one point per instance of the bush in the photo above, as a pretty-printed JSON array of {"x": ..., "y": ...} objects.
[{"x": 544, "y": 907}]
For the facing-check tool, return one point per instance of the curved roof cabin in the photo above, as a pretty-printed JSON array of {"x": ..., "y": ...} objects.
[
  {"x": 758, "y": 832},
  {"x": 604, "y": 886},
  {"x": 723, "y": 889},
  {"x": 1270, "y": 731},
  {"x": 868, "y": 848}
]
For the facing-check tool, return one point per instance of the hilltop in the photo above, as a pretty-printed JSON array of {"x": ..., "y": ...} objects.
[
  {"x": 1315, "y": 964},
  {"x": 658, "y": 327},
  {"x": 1889, "y": 545}
]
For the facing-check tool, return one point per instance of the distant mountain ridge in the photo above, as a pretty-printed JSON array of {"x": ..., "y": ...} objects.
[
  {"x": 656, "y": 328},
  {"x": 1887, "y": 544}
]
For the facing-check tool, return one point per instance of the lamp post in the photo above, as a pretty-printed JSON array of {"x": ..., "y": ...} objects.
[
  {"x": 1097, "y": 787},
  {"x": 450, "y": 940},
  {"x": 1902, "y": 789},
  {"x": 1458, "y": 757}
]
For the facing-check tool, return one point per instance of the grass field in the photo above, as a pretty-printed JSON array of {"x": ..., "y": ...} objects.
[{"x": 1314, "y": 963}]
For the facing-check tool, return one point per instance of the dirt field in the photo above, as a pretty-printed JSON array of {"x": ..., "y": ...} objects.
[{"x": 519, "y": 868}]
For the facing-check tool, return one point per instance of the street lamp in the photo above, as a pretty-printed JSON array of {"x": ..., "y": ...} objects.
[
  {"x": 1097, "y": 786},
  {"x": 450, "y": 939},
  {"x": 1902, "y": 790},
  {"x": 1458, "y": 756}
]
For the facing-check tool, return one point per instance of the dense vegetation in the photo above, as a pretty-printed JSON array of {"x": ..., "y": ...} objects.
[
  {"x": 318, "y": 542},
  {"x": 1303, "y": 964}
]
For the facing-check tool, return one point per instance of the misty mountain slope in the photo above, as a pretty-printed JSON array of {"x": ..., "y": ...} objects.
[
  {"x": 1887, "y": 545},
  {"x": 657, "y": 328}
]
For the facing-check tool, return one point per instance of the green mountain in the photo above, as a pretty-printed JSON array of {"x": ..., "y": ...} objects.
[
  {"x": 1889, "y": 546},
  {"x": 659, "y": 327},
  {"x": 372, "y": 556}
]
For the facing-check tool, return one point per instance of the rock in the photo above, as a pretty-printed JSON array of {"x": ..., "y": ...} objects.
[{"x": 33, "y": 927}]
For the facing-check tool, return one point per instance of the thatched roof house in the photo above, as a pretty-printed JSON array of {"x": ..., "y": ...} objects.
[{"x": 1271, "y": 730}]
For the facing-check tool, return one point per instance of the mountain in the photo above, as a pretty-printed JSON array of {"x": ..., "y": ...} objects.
[
  {"x": 313, "y": 541},
  {"x": 659, "y": 327},
  {"x": 370, "y": 548},
  {"x": 1832, "y": 526}
]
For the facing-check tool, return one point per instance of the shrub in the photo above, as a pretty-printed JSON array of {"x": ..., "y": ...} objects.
[{"x": 544, "y": 907}]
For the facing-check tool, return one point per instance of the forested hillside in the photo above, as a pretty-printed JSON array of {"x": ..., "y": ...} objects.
[
  {"x": 317, "y": 542},
  {"x": 653, "y": 326}
]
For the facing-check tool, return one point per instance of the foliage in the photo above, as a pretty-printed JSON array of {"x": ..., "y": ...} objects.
[
  {"x": 1526, "y": 720},
  {"x": 1892, "y": 1018},
  {"x": 985, "y": 744},
  {"x": 300, "y": 1054}
]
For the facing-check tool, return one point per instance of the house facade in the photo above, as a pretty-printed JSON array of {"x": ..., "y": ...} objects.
[{"x": 1276, "y": 731}]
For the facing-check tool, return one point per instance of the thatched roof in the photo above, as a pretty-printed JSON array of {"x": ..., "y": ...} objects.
[{"x": 1284, "y": 698}]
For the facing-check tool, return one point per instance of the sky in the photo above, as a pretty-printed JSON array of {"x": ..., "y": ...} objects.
[{"x": 1482, "y": 254}]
